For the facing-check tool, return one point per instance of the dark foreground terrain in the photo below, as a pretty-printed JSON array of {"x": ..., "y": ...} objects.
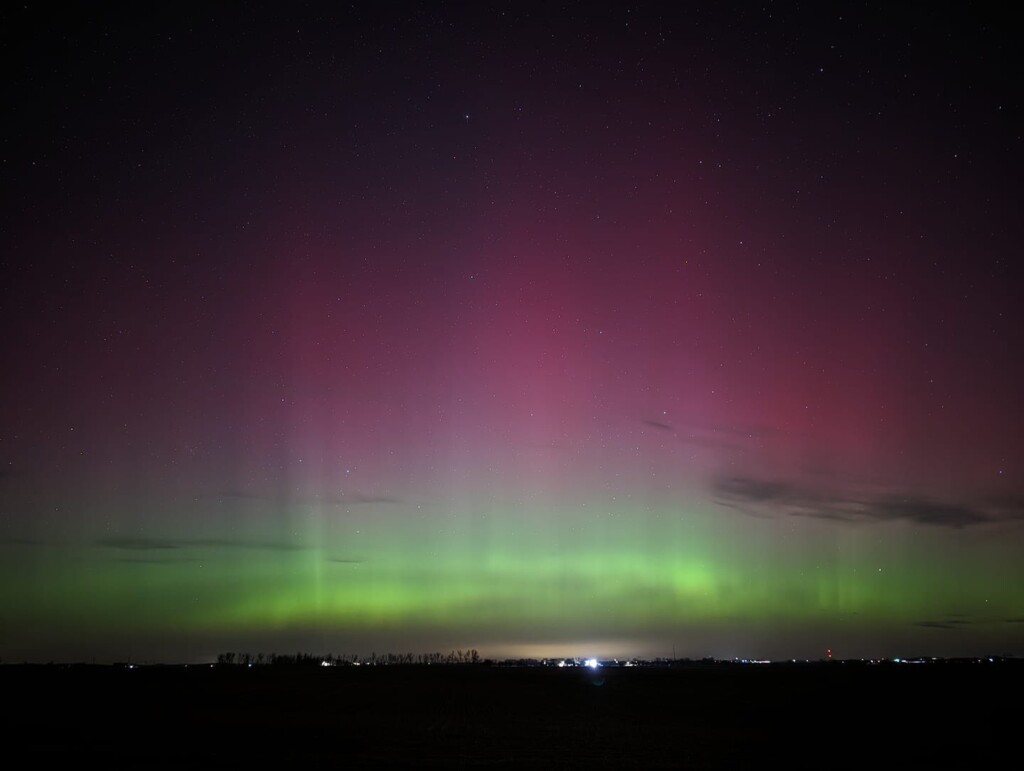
[{"x": 825, "y": 716}]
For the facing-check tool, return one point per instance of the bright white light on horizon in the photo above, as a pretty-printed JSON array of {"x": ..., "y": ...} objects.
[{"x": 592, "y": 663}]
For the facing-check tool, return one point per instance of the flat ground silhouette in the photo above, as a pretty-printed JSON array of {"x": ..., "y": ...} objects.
[{"x": 722, "y": 716}]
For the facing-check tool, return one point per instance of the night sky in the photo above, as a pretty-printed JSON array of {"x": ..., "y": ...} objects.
[{"x": 541, "y": 329}]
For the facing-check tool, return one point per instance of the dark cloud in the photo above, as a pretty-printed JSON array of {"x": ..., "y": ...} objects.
[
  {"x": 935, "y": 624},
  {"x": 166, "y": 544},
  {"x": 1013, "y": 620},
  {"x": 926, "y": 512},
  {"x": 754, "y": 490},
  {"x": 835, "y": 516},
  {"x": 146, "y": 561},
  {"x": 1007, "y": 507},
  {"x": 760, "y": 497},
  {"x": 343, "y": 561}
]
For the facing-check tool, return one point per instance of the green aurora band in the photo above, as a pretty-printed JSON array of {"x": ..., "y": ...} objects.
[{"x": 615, "y": 581}]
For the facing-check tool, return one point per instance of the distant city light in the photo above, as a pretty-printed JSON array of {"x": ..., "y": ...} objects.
[{"x": 592, "y": 663}]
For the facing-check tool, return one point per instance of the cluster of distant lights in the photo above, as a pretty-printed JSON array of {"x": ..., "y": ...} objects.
[
  {"x": 589, "y": 663},
  {"x": 562, "y": 663},
  {"x": 593, "y": 663}
]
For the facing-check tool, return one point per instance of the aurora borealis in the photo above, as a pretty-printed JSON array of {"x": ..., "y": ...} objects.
[{"x": 604, "y": 330}]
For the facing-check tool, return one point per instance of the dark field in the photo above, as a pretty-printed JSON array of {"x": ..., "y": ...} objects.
[{"x": 825, "y": 716}]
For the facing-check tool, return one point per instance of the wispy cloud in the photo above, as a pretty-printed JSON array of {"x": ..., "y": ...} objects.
[
  {"x": 354, "y": 498},
  {"x": 658, "y": 425},
  {"x": 734, "y": 431},
  {"x": 936, "y": 625},
  {"x": 746, "y": 489},
  {"x": 708, "y": 441},
  {"x": 924, "y": 511},
  {"x": 765, "y": 497},
  {"x": 22, "y": 541},
  {"x": 138, "y": 544},
  {"x": 167, "y": 544},
  {"x": 699, "y": 436}
]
